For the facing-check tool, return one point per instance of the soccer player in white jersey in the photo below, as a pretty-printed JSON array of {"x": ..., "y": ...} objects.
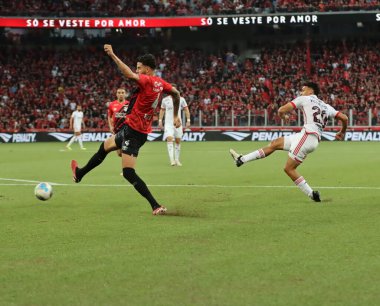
[
  {"x": 315, "y": 115},
  {"x": 76, "y": 123},
  {"x": 171, "y": 133}
]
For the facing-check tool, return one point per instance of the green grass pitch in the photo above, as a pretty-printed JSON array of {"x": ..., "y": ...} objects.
[{"x": 233, "y": 236}]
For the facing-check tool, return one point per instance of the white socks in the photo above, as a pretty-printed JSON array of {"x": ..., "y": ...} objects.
[
  {"x": 79, "y": 138},
  {"x": 177, "y": 151},
  {"x": 71, "y": 141},
  {"x": 170, "y": 151},
  {"x": 253, "y": 155},
  {"x": 80, "y": 141},
  {"x": 301, "y": 184}
]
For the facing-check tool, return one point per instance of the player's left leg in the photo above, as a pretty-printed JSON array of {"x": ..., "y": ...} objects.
[
  {"x": 79, "y": 137},
  {"x": 291, "y": 170},
  {"x": 107, "y": 146},
  {"x": 277, "y": 144}
]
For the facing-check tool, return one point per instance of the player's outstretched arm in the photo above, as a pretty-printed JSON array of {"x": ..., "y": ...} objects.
[
  {"x": 176, "y": 98},
  {"x": 284, "y": 110},
  {"x": 344, "y": 119},
  {"x": 128, "y": 73}
]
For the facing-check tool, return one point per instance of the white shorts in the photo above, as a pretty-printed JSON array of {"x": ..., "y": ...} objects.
[
  {"x": 300, "y": 144},
  {"x": 77, "y": 128},
  {"x": 173, "y": 132}
]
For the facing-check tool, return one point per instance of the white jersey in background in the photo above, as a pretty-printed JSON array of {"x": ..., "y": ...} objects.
[
  {"x": 315, "y": 113},
  {"x": 77, "y": 120},
  {"x": 167, "y": 105}
]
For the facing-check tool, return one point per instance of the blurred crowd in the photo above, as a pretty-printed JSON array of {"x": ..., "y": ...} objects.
[
  {"x": 130, "y": 8},
  {"x": 41, "y": 86}
]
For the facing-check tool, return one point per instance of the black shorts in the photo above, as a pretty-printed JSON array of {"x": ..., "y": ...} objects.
[{"x": 129, "y": 140}]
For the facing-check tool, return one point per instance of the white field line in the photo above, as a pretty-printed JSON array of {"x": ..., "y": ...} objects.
[{"x": 32, "y": 183}]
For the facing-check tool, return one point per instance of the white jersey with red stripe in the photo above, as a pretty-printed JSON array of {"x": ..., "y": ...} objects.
[{"x": 315, "y": 113}]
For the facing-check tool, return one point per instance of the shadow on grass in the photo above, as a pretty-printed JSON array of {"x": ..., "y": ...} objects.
[
  {"x": 185, "y": 214},
  {"x": 326, "y": 200}
]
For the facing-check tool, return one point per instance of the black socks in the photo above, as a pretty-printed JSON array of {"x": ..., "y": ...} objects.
[
  {"x": 131, "y": 176},
  {"x": 94, "y": 161}
]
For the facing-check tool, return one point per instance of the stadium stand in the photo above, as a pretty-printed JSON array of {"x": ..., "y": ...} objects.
[
  {"x": 96, "y": 8},
  {"x": 41, "y": 86}
]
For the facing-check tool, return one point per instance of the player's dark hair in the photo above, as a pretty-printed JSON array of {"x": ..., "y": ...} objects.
[
  {"x": 313, "y": 86},
  {"x": 147, "y": 60}
]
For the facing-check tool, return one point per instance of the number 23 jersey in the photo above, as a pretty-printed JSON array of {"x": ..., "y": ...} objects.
[
  {"x": 315, "y": 113},
  {"x": 147, "y": 100}
]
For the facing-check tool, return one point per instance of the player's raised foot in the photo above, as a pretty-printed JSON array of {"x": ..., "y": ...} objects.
[
  {"x": 178, "y": 163},
  {"x": 315, "y": 196},
  {"x": 74, "y": 167},
  {"x": 237, "y": 158},
  {"x": 159, "y": 211},
  {"x": 69, "y": 148}
]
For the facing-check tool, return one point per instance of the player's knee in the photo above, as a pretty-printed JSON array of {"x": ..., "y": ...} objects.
[
  {"x": 110, "y": 144},
  {"x": 287, "y": 170},
  {"x": 130, "y": 175},
  {"x": 274, "y": 144}
]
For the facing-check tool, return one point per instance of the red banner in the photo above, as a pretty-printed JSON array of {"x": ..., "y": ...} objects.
[{"x": 100, "y": 23}]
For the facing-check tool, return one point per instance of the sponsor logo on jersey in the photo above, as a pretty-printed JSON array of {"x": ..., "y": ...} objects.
[
  {"x": 125, "y": 146},
  {"x": 237, "y": 135},
  {"x": 5, "y": 137},
  {"x": 61, "y": 136},
  {"x": 153, "y": 136}
]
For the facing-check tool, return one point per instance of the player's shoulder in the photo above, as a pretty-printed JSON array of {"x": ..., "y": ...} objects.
[{"x": 302, "y": 99}]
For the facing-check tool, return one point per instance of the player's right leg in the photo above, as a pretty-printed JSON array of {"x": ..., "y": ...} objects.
[
  {"x": 79, "y": 137},
  {"x": 68, "y": 146},
  {"x": 107, "y": 146},
  {"x": 170, "y": 147},
  {"x": 178, "y": 133},
  {"x": 299, "y": 146},
  {"x": 130, "y": 152},
  {"x": 291, "y": 170},
  {"x": 277, "y": 144}
]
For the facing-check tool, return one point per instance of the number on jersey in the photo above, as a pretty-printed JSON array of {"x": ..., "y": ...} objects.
[{"x": 320, "y": 117}]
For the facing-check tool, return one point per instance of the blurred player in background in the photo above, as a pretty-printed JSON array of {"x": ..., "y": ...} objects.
[
  {"x": 117, "y": 111},
  {"x": 76, "y": 123},
  {"x": 137, "y": 124},
  {"x": 171, "y": 132},
  {"x": 315, "y": 115}
]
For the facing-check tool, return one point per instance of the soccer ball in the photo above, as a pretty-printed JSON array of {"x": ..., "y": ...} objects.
[{"x": 43, "y": 191}]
